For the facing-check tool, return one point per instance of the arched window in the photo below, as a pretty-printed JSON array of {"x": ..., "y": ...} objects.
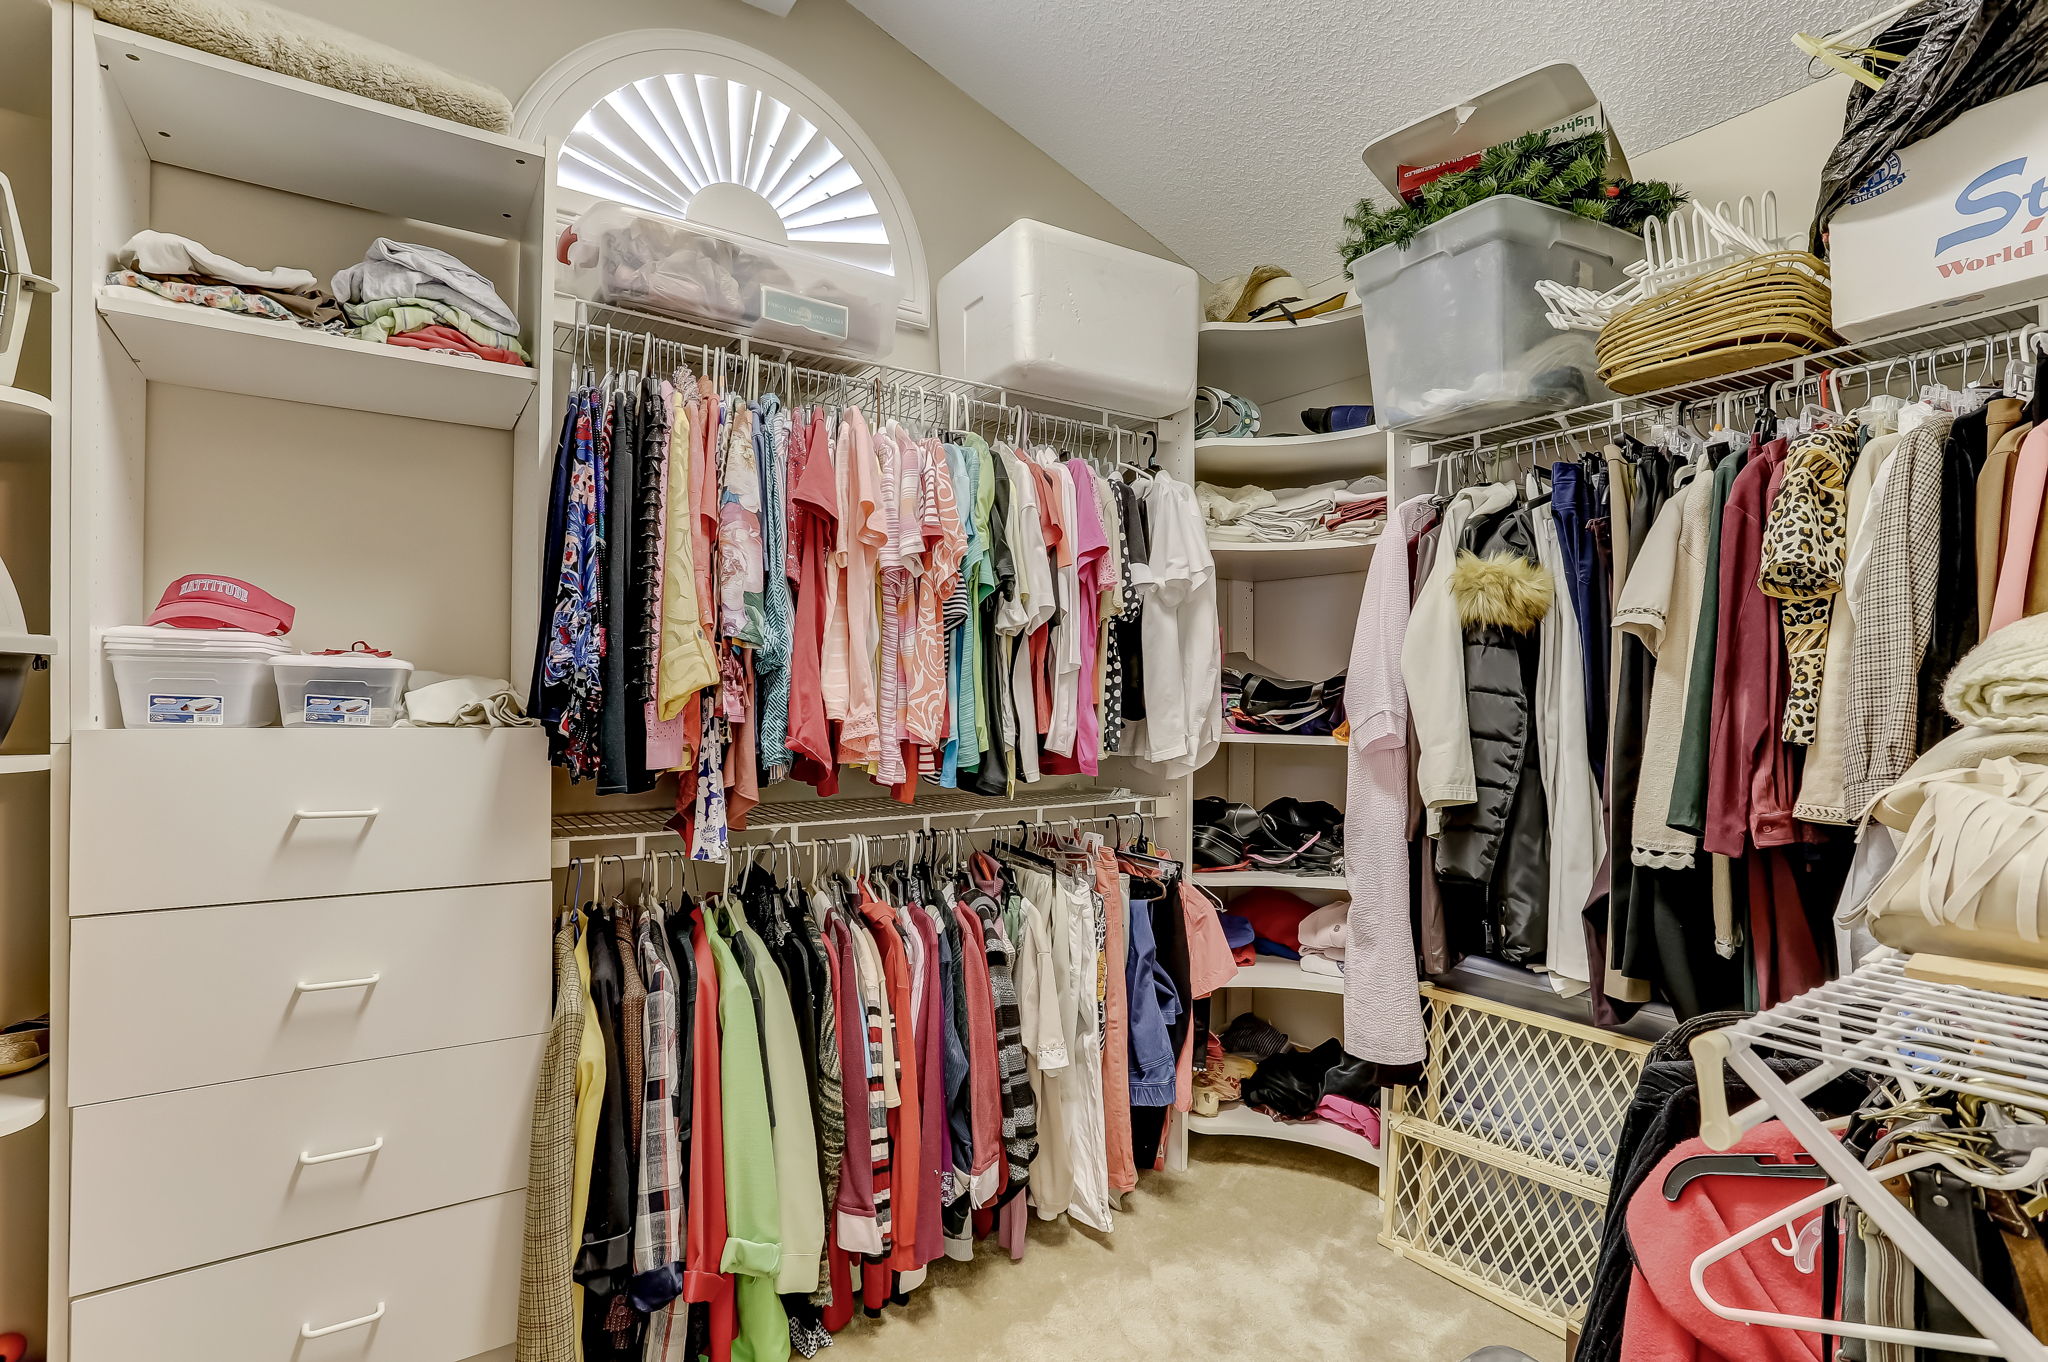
[{"x": 693, "y": 125}]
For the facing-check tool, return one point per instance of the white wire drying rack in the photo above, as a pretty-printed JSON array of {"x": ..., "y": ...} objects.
[
  {"x": 636, "y": 832},
  {"x": 1919, "y": 1035}
]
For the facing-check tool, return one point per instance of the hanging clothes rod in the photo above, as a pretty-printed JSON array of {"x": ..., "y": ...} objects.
[
  {"x": 1922, "y": 345},
  {"x": 643, "y": 328},
  {"x": 786, "y": 823}
]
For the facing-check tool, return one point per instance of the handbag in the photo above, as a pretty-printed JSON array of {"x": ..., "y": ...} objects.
[
  {"x": 1971, "y": 867},
  {"x": 1257, "y": 703}
]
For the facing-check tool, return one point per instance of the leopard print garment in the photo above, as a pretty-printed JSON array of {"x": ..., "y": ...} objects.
[{"x": 1805, "y": 542}]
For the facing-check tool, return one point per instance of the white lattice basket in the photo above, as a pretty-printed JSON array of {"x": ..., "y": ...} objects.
[{"x": 1497, "y": 1165}]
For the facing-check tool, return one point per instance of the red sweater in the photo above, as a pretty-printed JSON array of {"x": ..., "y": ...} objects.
[{"x": 1666, "y": 1321}]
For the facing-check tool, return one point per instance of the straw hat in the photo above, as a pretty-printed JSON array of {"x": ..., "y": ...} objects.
[
  {"x": 1268, "y": 294},
  {"x": 1762, "y": 310}
]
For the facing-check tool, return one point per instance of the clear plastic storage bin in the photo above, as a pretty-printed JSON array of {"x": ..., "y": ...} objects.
[
  {"x": 194, "y": 678},
  {"x": 1454, "y": 330},
  {"x": 739, "y": 283},
  {"x": 340, "y": 690}
]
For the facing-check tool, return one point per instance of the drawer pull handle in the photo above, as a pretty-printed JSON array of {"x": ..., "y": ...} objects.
[
  {"x": 367, "y": 981},
  {"x": 308, "y": 1331},
  {"x": 309, "y": 1159},
  {"x": 335, "y": 813}
]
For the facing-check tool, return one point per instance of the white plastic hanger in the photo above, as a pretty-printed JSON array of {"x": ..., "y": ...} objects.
[{"x": 1942, "y": 1272}]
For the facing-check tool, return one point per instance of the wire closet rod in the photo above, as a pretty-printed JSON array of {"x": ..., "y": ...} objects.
[
  {"x": 826, "y": 363},
  {"x": 1624, "y": 413},
  {"x": 785, "y": 823},
  {"x": 1923, "y": 345}
]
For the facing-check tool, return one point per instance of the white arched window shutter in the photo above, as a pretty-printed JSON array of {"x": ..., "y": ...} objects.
[{"x": 661, "y": 119}]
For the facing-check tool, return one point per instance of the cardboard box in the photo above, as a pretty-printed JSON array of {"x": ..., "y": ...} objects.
[{"x": 1954, "y": 224}]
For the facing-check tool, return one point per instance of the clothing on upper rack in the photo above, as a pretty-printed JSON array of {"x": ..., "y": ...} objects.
[
  {"x": 1775, "y": 612},
  {"x": 803, "y": 1091},
  {"x": 741, "y": 593}
]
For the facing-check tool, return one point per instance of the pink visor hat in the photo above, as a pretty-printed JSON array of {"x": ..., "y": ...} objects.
[{"x": 203, "y": 602}]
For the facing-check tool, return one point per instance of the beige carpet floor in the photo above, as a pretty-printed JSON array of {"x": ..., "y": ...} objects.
[{"x": 1259, "y": 1250}]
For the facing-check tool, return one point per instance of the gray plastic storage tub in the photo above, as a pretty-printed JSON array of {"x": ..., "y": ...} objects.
[{"x": 1456, "y": 334}]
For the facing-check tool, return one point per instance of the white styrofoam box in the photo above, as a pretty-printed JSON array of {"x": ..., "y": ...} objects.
[
  {"x": 1455, "y": 330},
  {"x": 1063, "y": 315},
  {"x": 1953, "y": 223}
]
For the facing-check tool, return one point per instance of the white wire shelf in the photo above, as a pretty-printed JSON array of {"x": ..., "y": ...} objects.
[
  {"x": 1919, "y": 343},
  {"x": 613, "y": 833}
]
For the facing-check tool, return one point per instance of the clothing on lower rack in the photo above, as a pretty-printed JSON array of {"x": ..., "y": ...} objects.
[{"x": 765, "y": 1111}]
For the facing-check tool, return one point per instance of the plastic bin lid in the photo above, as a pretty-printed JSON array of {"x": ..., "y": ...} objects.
[
  {"x": 1535, "y": 99},
  {"x": 41, "y": 645},
  {"x": 321, "y": 662},
  {"x": 164, "y": 638}
]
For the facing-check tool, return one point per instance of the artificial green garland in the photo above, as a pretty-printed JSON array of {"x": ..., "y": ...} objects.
[{"x": 1566, "y": 175}]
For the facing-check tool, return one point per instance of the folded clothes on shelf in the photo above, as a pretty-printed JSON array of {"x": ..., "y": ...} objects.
[
  {"x": 1327, "y": 510},
  {"x": 181, "y": 270},
  {"x": 387, "y": 319},
  {"x": 398, "y": 269}
]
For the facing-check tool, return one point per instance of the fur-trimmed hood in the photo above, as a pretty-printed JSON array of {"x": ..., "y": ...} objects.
[{"x": 1502, "y": 589}]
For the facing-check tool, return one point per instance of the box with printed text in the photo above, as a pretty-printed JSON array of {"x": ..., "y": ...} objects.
[{"x": 1953, "y": 224}]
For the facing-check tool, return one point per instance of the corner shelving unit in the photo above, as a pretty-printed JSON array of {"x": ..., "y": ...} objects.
[
  {"x": 1290, "y": 606},
  {"x": 24, "y": 421}
]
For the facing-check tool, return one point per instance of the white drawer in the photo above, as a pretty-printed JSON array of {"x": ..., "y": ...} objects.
[
  {"x": 177, "y": 999},
  {"x": 183, "y": 1178},
  {"x": 447, "y": 1283},
  {"x": 179, "y": 818}
]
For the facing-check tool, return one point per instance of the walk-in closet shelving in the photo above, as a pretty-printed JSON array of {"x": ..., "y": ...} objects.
[
  {"x": 301, "y": 892},
  {"x": 1291, "y": 459},
  {"x": 1317, "y": 1134},
  {"x": 1271, "y": 361},
  {"x": 1289, "y": 607},
  {"x": 24, "y": 423}
]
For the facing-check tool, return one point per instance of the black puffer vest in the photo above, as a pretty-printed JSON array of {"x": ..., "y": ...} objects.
[{"x": 1493, "y": 856}]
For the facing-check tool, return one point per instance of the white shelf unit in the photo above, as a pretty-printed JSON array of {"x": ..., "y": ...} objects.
[
  {"x": 1291, "y": 460},
  {"x": 1283, "y": 740},
  {"x": 1270, "y": 971},
  {"x": 1263, "y": 879},
  {"x": 390, "y": 495},
  {"x": 1243, "y": 1121},
  {"x": 1283, "y": 562},
  {"x": 1265, "y": 361},
  {"x": 24, "y": 1099},
  {"x": 1289, "y": 607},
  {"x": 206, "y": 113},
  {"x": 197, "y": 347},
  {"x": 24, "y": 421}
]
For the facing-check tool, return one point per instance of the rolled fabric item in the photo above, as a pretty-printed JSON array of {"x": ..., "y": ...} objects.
[{"x": 2002, "y": 683}]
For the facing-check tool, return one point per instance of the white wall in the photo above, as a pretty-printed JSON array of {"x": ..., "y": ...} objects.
[
  {"x": 966, "y": 174},
  {"x": 1779, "y": 146}
]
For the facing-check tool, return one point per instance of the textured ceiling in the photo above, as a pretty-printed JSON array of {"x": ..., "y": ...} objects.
[{"x": 1231, "y": 129}]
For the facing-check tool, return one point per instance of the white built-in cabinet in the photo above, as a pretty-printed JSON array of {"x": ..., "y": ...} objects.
[{"x": 299, "y": 979}]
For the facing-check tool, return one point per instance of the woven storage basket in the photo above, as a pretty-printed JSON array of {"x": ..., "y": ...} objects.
[
  {"x": 1766, "y": 308},
  {"x": 1497, "y": 1164}
]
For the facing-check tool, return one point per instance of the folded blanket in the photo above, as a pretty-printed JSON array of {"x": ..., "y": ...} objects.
[
  {"x": 398, "y": 269},
  {"x": 464, "y": 702},
  {"x": 222, "y": 297},
  {"x": 2002, "y": 683},
  {"x": 383, "y": 318}
]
